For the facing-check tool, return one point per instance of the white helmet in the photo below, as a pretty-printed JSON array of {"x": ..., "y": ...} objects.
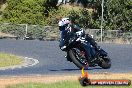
[{"x": 64, "y": 21}]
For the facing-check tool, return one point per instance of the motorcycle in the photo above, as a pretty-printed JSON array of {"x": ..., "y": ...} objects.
[{"x": 83, "y": 54}]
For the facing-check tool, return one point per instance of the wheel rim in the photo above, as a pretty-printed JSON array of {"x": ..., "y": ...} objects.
[{"x": 80, "y": 55}]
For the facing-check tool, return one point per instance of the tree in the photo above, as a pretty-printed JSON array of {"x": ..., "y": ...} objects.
[
  {"x": 49, "y": 5},
  {"x": 118, "y": 14},
  {"x": 2, "y": 1},
  {"x": 24, "y": 11}
]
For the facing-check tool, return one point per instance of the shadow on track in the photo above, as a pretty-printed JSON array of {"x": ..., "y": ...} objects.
[{"x": 92, "y": 68}]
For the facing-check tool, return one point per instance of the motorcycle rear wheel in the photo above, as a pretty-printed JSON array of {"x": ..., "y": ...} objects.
[{"x": 105, "y": 62}]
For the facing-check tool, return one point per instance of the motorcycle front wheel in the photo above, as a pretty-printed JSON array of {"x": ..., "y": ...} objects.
[{"x": 79, "y": 57}]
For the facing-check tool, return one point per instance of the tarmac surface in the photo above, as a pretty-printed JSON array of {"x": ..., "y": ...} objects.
[{"x": 52, "y": 61}]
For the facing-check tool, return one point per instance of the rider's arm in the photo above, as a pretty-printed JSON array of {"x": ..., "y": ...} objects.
[
  {"x": 61, "y": 28},
  {"x": 77, "y": 28}
]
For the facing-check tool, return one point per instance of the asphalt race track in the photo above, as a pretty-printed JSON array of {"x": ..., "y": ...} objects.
[{"x": 52, "y": 61}]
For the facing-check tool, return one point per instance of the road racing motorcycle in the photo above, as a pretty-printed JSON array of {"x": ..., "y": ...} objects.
[{"x": 83, "y": 54}]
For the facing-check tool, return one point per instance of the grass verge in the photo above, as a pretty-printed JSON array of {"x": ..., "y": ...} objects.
[
  {"x": 63, "y": 84},
  {"x": 9, "y": 60},
  {"x": 59, "y": 81}
]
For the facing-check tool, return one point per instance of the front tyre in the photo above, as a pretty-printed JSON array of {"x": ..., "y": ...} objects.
[
  {"x": 79, "y": 57},
  {"x": 105, "y": 62}
]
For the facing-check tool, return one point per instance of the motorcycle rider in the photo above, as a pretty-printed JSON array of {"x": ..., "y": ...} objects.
[
  {"x": 66, "y": 24},
  {"x": 63, "y": 24}
]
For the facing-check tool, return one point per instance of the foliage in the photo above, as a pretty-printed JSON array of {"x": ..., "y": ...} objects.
[
  {"x": 17, "y": 30},
  {"x": 24, "y": 11},
  {"x": 2, "y": 1},
  {"x": 118, "y": 14}
]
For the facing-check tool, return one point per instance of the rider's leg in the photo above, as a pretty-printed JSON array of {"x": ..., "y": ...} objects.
[
  {"x": 92, "y": 42},
  {"x": 88, "y": 48},
  {"x": 91, "y": 51}
]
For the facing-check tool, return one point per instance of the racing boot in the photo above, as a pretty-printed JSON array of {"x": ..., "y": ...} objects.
[{"x": 63, "y": 48}]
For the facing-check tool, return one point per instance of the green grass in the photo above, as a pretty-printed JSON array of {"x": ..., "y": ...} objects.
[
  {"x": 64, "y": 84},
  {"x": 9, "y": 60}
]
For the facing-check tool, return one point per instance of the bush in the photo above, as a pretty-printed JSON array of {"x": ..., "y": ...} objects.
[
  {"x": 24, "y": 11},
  {"x": 117, "y": 13}
]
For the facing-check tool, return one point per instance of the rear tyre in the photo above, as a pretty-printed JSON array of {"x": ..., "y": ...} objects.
[{"x": 105, "y": 62}]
